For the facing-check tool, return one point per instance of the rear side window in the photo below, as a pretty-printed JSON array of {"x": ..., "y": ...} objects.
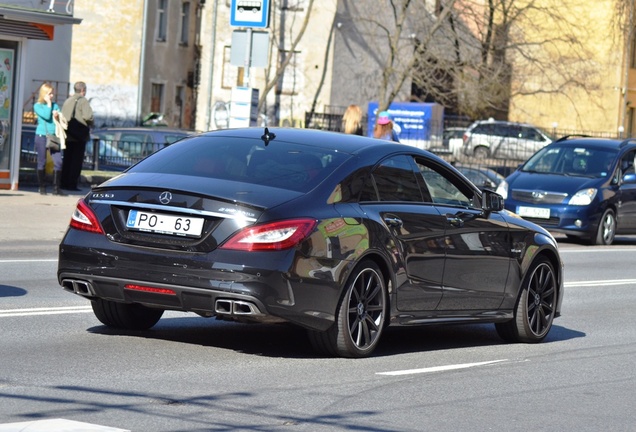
[
  {"x": 509, "y": 131},
  {"x": 394, "y": 180},
  {"x": 280, "y": 164},
  {"x": 485, "y": 129},
  {"x": 106, "y": 136},
  {"x": 531, "y": 134},
  {"x": 135, "y": 145},
  {"x": 496, "y": 129},
  {"x": 169, "y": 139}
]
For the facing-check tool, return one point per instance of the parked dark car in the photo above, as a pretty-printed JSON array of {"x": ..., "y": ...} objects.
[
  {"x": 451, "y": 142},
  {"x": 120, "y": 148},
  {"x": 583, "y": 187},
  {"x": 482, "y": 177},
  {"x": 339, "y": 234},
  {"x": 503, "y": 140}
]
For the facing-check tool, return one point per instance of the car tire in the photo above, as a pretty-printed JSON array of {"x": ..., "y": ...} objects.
[
  {"x": 360, "y": 317},
  {"x": 481, "y": 152},
  {"x": 606, "y": 229},
  {"x": 125, "y": 315},
  {"x": 535, "y": 307}
]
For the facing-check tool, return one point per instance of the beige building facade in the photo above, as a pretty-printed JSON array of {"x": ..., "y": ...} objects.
[
  {"x": 135, "y": 65},
  {"x": 285, "y": 98},
  {"x": 600, "y": 95},
  {"x": 138, "y": 57}
]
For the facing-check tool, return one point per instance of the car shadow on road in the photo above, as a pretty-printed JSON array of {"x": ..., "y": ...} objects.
[
  {"x": 447, "y": 337},
  {"x": 11, "y": 291},
  {"x": 285, "y": 340},
  {"x": 273, "y": 340}
]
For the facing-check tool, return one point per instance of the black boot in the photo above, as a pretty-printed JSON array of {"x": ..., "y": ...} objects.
[
  {"x": 42, "y": 182},
  {"x": 56, "y": 183}
]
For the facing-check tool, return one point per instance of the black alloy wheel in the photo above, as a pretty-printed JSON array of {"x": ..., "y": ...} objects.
[
  {"x": 125, "y": 316},
  {"x": 360, "y": 318},
  {"x": 535, "y": 308}
]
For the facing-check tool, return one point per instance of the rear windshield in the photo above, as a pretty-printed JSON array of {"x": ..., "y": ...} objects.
[
  {"x": 280, "y": 164},
  {"x": 576, "y": 161}
]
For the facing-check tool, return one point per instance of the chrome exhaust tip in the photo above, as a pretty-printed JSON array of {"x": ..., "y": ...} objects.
[
  {"x": 236, "y": 307},
  {"x": 80, "y": 287}
]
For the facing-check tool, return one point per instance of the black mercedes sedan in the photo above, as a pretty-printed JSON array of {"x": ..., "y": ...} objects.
[{"x": 341, "y": 235}]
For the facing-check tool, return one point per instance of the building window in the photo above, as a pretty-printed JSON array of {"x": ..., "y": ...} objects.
[
  {"x": 162, "y": 20},
  {"x": 230, "y": 73},
  {"x": 179, "y": 102},
  {"x": 156, "y": 98},
  {"x": 185, "y": 23},
  {"x": 179, "y": 96},
  {"x": 292, "y": 79}
]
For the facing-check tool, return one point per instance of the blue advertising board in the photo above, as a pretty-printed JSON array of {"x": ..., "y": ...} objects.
[
  {"x": 249, "y": 13},
  {"x": 418, "y": 123}
]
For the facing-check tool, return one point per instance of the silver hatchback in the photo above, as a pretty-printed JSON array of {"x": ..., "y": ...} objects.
[{"x": 503, "y": 140}]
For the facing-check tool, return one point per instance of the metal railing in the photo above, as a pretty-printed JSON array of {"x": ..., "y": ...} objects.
[{"x": 105, "y": 155}]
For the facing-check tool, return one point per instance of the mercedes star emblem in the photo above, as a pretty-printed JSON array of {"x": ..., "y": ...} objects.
[{"x": 165, "y": 197}]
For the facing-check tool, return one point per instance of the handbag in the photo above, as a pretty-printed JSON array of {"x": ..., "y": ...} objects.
[
  {"x": 76, "y": 130},
  {"x": 52, "y": 142}
]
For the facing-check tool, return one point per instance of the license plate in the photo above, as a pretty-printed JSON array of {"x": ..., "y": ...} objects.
[
  {"x": 164, "y": 224},
  {"x": 534, "y": 212}
]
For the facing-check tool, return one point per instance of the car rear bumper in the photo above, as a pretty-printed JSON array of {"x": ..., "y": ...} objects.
[{"x": 267, "y": 288}]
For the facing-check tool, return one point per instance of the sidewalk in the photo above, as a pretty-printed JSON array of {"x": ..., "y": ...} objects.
[{"x": 25, "y": 215}]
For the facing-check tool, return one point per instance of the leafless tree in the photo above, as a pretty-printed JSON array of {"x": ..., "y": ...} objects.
[
  {"x": 285, "y": 39},
  {"x": 474, "y": 56},
  {"x": 505, "y": 49},
  {"x": 625, "y": 40}
]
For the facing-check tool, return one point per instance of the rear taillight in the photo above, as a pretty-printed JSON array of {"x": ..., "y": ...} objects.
[
  {"x": 271, "y": 236},
  {"x": 84, "y": 219}
]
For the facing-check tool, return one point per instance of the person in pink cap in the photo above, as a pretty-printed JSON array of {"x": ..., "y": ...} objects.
[{"x": 384, "y": 127}]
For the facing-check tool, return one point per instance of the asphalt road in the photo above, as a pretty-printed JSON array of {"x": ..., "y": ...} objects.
[{"x": 194, "y": 374}]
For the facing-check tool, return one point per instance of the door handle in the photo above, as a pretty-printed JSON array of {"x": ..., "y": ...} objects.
[
  {"x": 455, "y": 221},
  {"x": 393, "y": 222}
]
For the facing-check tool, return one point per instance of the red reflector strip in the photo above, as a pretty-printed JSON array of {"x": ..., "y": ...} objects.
[{"x": 150, "y": 289}]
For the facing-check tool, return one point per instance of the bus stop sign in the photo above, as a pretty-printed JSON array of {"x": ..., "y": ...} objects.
[{"x": 249, "y": 13}]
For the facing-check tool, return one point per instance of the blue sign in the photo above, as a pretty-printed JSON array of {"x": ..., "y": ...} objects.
[
  {"x": 249, "y": 13},
  {"x": 417, "y": 122}
]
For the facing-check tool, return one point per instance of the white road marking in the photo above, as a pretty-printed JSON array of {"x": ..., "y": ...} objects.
[
  {"x": 439, "y": 368},
  {"x": 57, "y": 425},
  {"x": 13, "y": 261},
  {"x": 596, "y": 249},
  {"x": 44, "y": 311},
  {"x": 600, "y": 283}
]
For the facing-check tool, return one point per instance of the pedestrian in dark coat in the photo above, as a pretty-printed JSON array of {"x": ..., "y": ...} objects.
[{"x": 77, "y": 107}]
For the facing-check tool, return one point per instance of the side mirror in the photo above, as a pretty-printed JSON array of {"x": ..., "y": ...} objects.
[
  {"x": 491, "y": 201},
  {"x": 629, "y": 178}
]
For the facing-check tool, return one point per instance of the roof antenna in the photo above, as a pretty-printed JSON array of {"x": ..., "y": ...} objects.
[{"x": 268, "y": 136}]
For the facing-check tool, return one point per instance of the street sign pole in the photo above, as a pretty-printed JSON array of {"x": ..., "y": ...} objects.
[
  {"x": 248, "y": 58},
  {"x": 248, "y": 14}
]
